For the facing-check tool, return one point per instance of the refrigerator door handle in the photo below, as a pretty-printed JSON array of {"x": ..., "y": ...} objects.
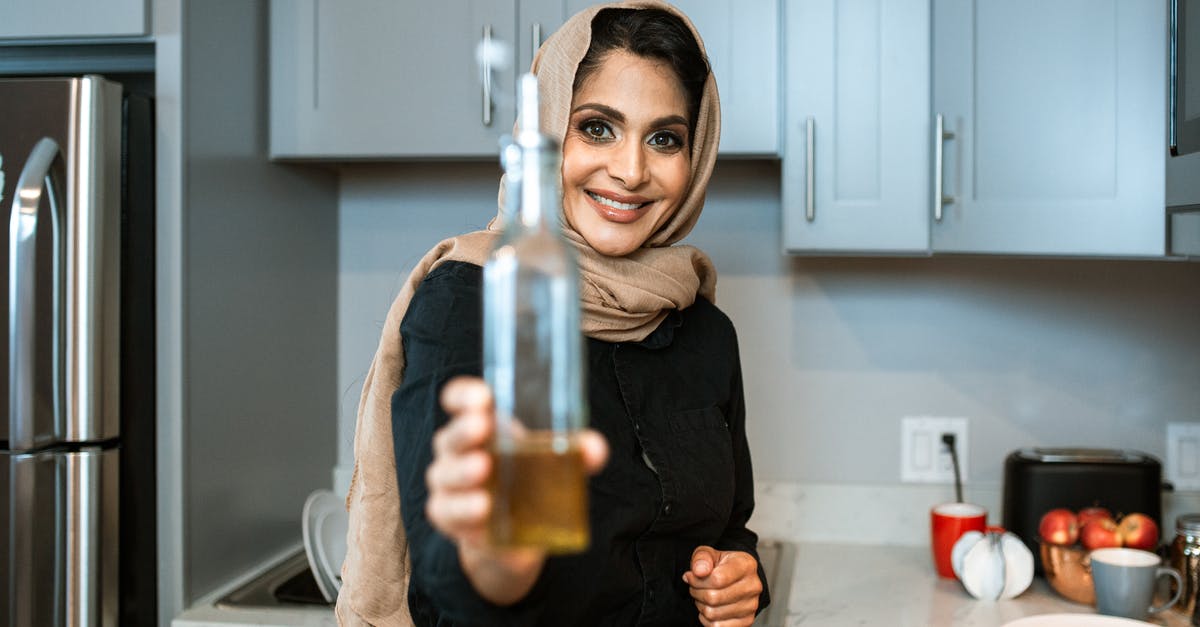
[
  {"x": 23, "y": 227},
  {"x": 37, "y": 575},
  {"x": 64, "y": 521}
]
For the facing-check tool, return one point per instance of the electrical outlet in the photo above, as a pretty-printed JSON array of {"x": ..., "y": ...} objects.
[
  {"x": 924, "y": 458},
  {"x": 1183, "y": 455}
]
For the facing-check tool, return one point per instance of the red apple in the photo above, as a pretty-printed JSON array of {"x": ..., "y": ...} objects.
[
  {"x": 1089, "y": 514},
  {"x": 1059, "y": 526},
  {"x": 1138, "y": 531},
  {"x": 1099, "y": 534}
]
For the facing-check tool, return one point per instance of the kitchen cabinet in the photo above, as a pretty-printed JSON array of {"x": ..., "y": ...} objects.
[
  {"x": 73, "y": 19},
  {"x": 387, "y": 80},
  {"x": 741, "y": 38},
  {"x": 376, "y": 79},
  {"x": 857, "y": 122},
  {"x": 1058, "y": 114},
  {"x": 1052, "y": 122}
]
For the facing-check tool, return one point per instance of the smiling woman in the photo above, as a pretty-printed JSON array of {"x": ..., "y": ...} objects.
[
  {"x": 627, "y": 90},
  {"x": 625, "y": 163}
]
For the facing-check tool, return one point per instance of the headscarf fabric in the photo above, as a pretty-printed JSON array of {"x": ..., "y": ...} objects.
[{"x": 623, "y": 299}]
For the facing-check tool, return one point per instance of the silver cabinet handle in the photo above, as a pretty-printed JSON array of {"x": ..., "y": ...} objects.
[
  {"x": 940, "y": 136},
  {"x": 535, "y": 39},
  {"x": 487, "y": 75},
  {"x": 810, "y": 141},
  {"x": 22, "y": 280},
  {"x": 1173, "y": 100}
]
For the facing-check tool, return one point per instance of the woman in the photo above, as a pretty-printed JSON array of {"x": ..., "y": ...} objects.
[{"x": 627, "y": 89}]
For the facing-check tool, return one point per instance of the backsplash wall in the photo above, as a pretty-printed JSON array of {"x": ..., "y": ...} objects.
[{"x": 836, "y": 350}]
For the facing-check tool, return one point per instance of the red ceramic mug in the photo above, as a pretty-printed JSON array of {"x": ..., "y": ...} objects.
[{"x": 948, "y": 522}]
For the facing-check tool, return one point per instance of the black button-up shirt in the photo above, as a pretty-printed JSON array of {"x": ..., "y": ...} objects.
[{"x": 678, "y": 475}]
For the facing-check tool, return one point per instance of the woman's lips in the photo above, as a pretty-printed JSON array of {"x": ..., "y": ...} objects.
[{"x": 616, "y": 207}]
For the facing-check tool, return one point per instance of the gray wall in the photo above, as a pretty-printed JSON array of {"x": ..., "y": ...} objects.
[
  {"x": 258, "y": 308},
  {"x": 836, "y": 351}
]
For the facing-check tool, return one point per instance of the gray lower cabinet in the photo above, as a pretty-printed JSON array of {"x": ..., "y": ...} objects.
[
  {"x": 379, "y": 79},
  {"x": 1058, "y": 112},
  {"x": 856, "y": 170},
  {"x": 73, "y": 19}
]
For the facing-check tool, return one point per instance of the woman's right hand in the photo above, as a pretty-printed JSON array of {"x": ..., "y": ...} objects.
[{"x": 459, "y": 504}]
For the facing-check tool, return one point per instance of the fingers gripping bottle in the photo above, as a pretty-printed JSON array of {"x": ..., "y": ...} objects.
[{"x": 532, "y": 353}]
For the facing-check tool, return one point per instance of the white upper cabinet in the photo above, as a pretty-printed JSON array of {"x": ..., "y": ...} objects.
[
  {"x": 379, "y": 79},
  {"x": 73, "y": 19},
  {"x": 1057, "y": 110},
  {"x": 855, "y": 176}
]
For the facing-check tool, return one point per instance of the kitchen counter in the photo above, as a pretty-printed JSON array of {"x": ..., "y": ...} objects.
[
  {"x": 832, "y": 585},
  {"x": 835, "y": 585}
]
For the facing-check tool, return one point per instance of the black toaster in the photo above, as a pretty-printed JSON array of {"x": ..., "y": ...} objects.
[{"x": 1037, "y": 480}]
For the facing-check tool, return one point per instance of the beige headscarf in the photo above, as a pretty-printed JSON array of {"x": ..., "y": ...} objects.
[{"x": 623, "y": 299}]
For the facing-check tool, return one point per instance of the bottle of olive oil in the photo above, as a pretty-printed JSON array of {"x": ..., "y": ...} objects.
[{"x": 532, "y": 353}]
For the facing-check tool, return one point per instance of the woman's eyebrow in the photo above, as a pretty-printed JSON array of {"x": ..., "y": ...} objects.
[
  {"x": 669, "y": 120},
  {"x": 617, "y": 116},
  {"x": 603, "y": 110}
]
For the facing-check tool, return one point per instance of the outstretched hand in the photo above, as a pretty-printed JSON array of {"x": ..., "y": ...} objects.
[
  {"x": 725, "y": 586},
  {"x": 459, "y": 503}
]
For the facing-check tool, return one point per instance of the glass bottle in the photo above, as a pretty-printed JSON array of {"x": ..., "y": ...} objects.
[
  {"x": 532, "y": 353},
  {"x": 1185, "y": 558}
]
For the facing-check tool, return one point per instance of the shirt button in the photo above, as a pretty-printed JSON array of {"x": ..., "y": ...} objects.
[{"x": 667, "y": 509}]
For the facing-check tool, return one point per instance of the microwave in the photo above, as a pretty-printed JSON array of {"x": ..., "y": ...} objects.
[{"x": 1183, "y": 160}]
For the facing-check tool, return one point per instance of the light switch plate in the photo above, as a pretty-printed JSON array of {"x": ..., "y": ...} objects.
[
  {"x": 1183, "y": 455},
  {"x": 923, "y": 456}
]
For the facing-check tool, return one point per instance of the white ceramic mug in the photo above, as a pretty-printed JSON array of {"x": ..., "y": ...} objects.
[{"x": 1124, "y": 581}]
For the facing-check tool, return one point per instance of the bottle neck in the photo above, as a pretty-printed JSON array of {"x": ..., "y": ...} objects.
[{"x": 539, "y": 187}]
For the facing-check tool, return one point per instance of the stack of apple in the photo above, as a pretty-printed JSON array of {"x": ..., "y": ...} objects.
[{"x": 1096, "y": 528}]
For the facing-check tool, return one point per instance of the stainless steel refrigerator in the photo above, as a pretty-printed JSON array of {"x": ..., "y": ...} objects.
[{"x": 77, "y": 531}]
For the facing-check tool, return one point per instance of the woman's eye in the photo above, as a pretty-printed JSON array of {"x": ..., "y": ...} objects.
[
  {"x": 664, "y": 139},
  {"x": 595, "y": 129}
]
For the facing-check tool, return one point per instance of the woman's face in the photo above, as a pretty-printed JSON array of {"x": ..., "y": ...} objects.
[{"x": 625, "y": 155}]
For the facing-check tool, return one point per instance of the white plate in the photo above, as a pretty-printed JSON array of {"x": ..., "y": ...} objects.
[
  {"x": 318, "y": 514},
  {"x": 1075, "y": 620},
  {"x": 331, "y": 543}
]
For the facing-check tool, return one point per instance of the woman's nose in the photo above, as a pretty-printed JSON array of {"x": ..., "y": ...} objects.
[{"x": 628, "y": 165}]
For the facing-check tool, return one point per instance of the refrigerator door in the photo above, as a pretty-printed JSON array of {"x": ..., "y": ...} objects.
[
  {"x": 60, "y": 141},
  {"x": 59, "y": 562}
]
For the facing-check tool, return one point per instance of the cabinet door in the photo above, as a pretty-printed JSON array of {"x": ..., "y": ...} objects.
[
  {"x": 536, "y": 20},
  {"x": 742, "y": 41},
  {"x": 857, "y": 76},
  {"x": 386, "y": 79},
  {"x": 1057, "y": 113},
  {"x": 72, "y": 19},
  {"x": 741, "y": 38}
]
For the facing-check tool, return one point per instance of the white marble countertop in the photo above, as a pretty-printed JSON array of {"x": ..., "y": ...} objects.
[
  {"x": 833, "y": 585},
  {"x": 841, "y": 585}
]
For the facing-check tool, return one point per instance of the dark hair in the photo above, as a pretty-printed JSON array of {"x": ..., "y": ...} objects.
[{"x": 651, "y": 34}]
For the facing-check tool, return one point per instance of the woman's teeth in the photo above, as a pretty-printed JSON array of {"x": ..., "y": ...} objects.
[{"x": 614, "y": 204}]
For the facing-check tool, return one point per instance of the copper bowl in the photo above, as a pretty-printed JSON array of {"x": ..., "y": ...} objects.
[{"x": 1068, "y": 570}]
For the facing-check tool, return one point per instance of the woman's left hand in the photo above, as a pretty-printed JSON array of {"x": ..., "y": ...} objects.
[{"x": 725, "y": 586}]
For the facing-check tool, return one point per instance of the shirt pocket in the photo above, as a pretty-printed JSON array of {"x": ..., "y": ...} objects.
[{"x": 702, "y": 450}]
